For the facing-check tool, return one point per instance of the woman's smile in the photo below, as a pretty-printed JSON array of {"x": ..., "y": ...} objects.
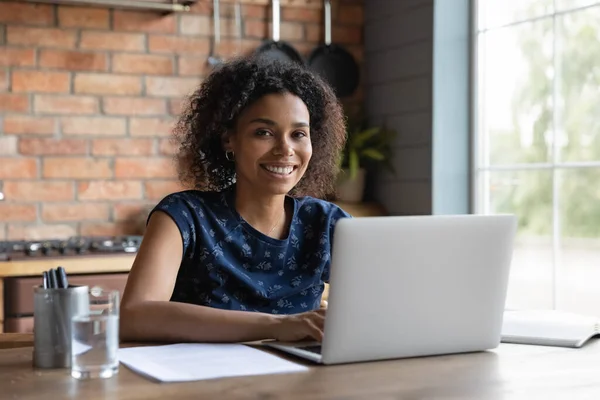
[{"x": 279, "y": 170}]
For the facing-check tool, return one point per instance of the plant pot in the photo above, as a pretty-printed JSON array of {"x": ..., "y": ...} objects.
[{"x": 351, "y": 190}]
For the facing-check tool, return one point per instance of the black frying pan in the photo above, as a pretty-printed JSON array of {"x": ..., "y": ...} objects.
[
  {"x": 275, "y": 49},
  {"x": 334, "y": 63}
]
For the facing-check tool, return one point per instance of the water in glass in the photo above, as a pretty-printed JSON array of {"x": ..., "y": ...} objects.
[{"x": 95, "y": 339}]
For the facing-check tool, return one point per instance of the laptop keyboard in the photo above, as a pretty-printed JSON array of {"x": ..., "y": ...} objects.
[{"x": 312, "y": 349}]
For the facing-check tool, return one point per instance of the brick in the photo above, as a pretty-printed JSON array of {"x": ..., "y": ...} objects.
[
  {"x": 18, "y": 212},
  {"x": 314, "y": 33},
  {"x": 193, "y": 66},
  {"x": 167, "y": 147},
  {"x": 234, "y": 48},
  {"x": 151, "y": 126},
  {"x": 48, "y": 104},
  {"x": 195, "y": 25},
  {"x": 41, "y": 37},
  {"x": 38, "y": 146},
  {"x": 109, "y": 190},
  {"x": 357, "y": 52},
  {"x": 177, "y": 44},
  {"x": 75, "y": 212},
  {"x": 40, "y": 81},
  {"x": 76, "y": 168},
  {"x": 201, "y": 7},
  {"x": 302, "y": 14},
  {"x": 8, "y": 145},
  {"x": 154, "y": 167},
  {"x": 156, "y": 190},
  {"x": 3, "y": 80},
  {"x": 14, "y": 102},
  {"x": 38, "y": 232},
  {"x": 16, "y": 57},
  {"x": 38, "y": 190},
  {"x": 351, "y": 14},
  {"x": 106, "y": 229},
  {"x": 18, "y": 168},
  {"x": 142, "y": 64},
  {"x": 107, "y": 84},
  {"x": 291, "y": 31},
  {"x": 112, "y": 41},
  {"x": 27, "y": 14},
  {"x": 134, "y": 21},
  {"x": 133, "y": 106},
  {"x": 200, "y": 25},
  {"x": 83, "y": 17},
  {"x": 123, "y": 147},
  {"x": 24, "y": 125},
  {"x": 93, "y": 126},
  {"x": 176, "y": 106},
  {"x": 131, "y": 211},
  {"x": 246, "y": 47},
  {"x": 171, "y": 87},
  {"x": 73, "y": 60},
  {"x": 347, "y": 34},
  {"x": 256, "y": 11},
  {"x": 257, "y": 28}
]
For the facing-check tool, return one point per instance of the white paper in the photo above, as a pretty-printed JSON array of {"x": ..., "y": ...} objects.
[{"x": 198, "y": 361}]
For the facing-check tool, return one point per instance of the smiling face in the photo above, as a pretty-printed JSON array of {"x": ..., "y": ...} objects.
[{"x": 271, "y": 144}]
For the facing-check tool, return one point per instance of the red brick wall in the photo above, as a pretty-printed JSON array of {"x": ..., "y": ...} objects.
[{"x": 88, "y": 97}]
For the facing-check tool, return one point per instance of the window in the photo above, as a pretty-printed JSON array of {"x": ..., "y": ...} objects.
[{"x": 537, "y": 144}]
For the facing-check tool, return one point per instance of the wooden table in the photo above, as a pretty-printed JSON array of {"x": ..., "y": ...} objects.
[{"x": 507, "y": 373}]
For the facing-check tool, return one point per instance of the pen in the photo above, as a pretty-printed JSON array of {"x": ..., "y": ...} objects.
[
  {"x": 62, "y": 278},
  {"x": 45, "y": 280},
  {"x": 53, "y": 279}
]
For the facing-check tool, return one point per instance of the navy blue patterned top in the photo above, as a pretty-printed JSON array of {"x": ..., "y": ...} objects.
[{"x": 228, "y": 264}]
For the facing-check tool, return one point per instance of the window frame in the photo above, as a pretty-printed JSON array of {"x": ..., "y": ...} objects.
[{"x": 480, "y": 170}]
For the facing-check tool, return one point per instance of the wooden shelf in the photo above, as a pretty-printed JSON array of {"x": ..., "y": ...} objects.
[
  {"x": 284, "y": 3},
  {"x": 170, "y": 7},
  {"x": 93, "y": 264},
  {"x": 164, "y": 6},
  {"x": 363, "y": 209},
  {"x": 85, "y": 264}
]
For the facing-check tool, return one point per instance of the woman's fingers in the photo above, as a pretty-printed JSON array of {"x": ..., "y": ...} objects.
[{"x": 315, "y": 331}]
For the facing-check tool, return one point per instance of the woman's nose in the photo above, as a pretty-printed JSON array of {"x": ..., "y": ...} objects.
[{"x": 284, "y": 147}]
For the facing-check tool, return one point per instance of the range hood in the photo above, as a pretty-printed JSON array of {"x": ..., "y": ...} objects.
[{"x": 148, "y": 5}]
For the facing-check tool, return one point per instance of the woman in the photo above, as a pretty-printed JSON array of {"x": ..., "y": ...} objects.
[{"x": 244, "y": 256}]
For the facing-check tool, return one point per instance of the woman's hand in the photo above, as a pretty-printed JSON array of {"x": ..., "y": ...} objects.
[{"x": 304, "y": 326}]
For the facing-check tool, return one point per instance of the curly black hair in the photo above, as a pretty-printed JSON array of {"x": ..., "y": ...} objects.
[{"x": 214, "y": 107}]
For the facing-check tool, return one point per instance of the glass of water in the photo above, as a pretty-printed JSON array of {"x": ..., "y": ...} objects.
[{"x": 95, "y": 336}]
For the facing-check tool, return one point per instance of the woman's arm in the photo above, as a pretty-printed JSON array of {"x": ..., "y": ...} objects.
[{"x": 148, "y": 315}]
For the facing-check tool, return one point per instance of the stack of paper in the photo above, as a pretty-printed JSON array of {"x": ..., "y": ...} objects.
[{"x": 195, "y": 361}]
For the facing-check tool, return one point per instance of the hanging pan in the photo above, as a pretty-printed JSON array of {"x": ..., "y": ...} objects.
[
  {"x": 214, "y": 59},
  {"x": 334, "y": 63},
  {"x": 276, "y": 49}
]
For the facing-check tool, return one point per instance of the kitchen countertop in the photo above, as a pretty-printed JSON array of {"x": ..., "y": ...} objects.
[{"x": 92, "y": 263}]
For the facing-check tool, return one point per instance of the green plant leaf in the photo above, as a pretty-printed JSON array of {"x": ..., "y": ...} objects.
[
  {"x": 353, "y": 164},
  {"x": 360, "y": 138},
  {"x": 374, "y": 154}
]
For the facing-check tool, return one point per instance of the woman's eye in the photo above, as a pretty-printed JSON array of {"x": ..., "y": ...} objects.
[
  {"x": 263, "y": 132},
  {"x": 300, "y": 134}
]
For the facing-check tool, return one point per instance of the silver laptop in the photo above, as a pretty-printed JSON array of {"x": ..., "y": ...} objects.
[{"x": 413, "y": 286}]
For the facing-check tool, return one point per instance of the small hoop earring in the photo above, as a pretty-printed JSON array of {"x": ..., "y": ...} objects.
[{"x": 229, "y": 155}]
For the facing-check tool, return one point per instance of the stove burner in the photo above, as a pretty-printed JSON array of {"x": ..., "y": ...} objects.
[{"x": 72, "y": 246}]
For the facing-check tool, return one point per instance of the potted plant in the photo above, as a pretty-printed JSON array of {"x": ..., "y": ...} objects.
[{"x": 366, "y": 146}]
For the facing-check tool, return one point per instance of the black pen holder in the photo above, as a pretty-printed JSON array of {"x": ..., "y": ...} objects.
[{"x": 53, "y": 311}]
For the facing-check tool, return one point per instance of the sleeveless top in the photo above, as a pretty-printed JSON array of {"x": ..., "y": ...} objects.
[{"x": 228, "y": 264}]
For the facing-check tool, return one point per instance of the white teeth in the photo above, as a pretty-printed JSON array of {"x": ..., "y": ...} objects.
[{"x": 280, "y": 170}]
